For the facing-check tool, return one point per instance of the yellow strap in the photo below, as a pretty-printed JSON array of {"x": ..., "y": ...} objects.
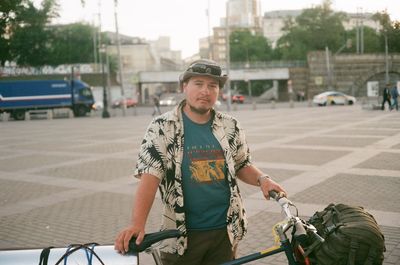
[
  {"x": 262, "y": 252},
  {"x": 277, "y": 240}
]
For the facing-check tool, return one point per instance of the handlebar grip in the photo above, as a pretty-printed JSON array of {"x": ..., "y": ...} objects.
[
  {"x": 300, "y": 234},
  {"x": 150, "y": 239},
  {"x": 274, "y": 195}
]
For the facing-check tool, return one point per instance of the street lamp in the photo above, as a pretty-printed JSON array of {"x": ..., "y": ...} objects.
[
  {"x": 121, "y": 79},
  {"x": 386, "y": 59},
  {"x": 105, "y": 113},
  {"x": 228, "y": 86}
]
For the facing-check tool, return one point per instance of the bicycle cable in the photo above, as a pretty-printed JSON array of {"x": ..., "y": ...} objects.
[{"x": 88, "y": 248}]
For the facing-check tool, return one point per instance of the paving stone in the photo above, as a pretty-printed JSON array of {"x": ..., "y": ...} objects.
[
  {"x": 73, "y": 153},
  {"x": 297, "y": 156},
  {"x": 99, "y": 170},
  {"x": 368, "y": 191},
  {"x": 30, "y": 161},
  {"x": 384, "y": 160}
]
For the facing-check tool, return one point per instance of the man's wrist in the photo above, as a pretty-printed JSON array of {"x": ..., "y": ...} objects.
[{"x": 262, "y": 178}]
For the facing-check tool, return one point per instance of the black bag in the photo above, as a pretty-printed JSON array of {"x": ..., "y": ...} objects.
[{"x": 352, "y": 237}]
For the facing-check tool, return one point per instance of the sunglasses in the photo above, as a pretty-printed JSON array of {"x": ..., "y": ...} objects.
[{"x": 205, "y": 69}]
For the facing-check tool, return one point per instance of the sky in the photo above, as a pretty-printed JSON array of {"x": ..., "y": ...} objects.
[{"x": 186, "y": 21}]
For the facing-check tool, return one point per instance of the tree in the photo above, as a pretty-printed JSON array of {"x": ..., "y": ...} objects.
[
  {"x": 371, "y": 41},
  {"x": 314, "y": 29},
  {"x": 28, "y": 34},
  {"x": 72, "y": 43},
  {"x": 9, "y": 10},
  {"x": 390, "y": 29},
  {"x": 246, "y": 47}
]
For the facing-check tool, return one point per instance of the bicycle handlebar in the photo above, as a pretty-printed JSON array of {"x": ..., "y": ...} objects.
[
  {"x": 152, "y": 238},
  {"x": 300, "y": 232}
]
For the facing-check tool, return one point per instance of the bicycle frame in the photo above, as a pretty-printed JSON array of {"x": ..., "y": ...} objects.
[{"x": 284, "y": 247}]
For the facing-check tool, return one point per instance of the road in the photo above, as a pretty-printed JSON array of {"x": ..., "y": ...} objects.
[{"x": 68, "y": 181}]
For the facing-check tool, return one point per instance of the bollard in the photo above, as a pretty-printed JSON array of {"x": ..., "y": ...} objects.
[
  {"x": 254, "y": 105},
  {"x": 273, "y": 104},
  {"x": 27, "y": 116},
  {"x": 5, "y": 116},
  {"x": 50, "y": 114},
  {"x": 234, "y": 106},
  {"x": 70, "y": 113}
]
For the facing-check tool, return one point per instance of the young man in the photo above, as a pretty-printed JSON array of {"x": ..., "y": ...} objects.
[
  {"x": 195, "y": 156},
  {"x": 394, "y": 93},
  {"x": 386, "y": 97}
]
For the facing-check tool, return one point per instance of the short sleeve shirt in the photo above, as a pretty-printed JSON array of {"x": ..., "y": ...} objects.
[{"x": 161, "y": 154}]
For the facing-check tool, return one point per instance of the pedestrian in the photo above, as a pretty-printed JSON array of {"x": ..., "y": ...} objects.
[
  {"x": 195, "y": 156},
  {"x": 386, "y": 97},
  {"x": 394, "y": 93},
  {"x": 156, "y": 102}
]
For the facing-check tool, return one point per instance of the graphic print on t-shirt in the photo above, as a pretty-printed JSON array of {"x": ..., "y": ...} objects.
[{"x": 206, "y": 163}]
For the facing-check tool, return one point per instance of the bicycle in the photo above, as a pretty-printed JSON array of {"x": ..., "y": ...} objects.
[{"x": 296, "y": 247}]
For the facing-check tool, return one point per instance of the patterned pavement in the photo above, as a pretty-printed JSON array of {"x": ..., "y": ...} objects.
[{"x": 68, "y": 181}]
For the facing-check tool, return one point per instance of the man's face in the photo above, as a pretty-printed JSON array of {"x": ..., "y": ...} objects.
[{"x": 201, "y": 93}]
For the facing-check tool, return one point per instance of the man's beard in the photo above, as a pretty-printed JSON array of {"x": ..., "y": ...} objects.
[{"x": 201, "y": 111}]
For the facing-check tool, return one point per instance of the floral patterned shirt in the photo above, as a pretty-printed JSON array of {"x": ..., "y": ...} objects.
[{"x": 161, "y": 155}]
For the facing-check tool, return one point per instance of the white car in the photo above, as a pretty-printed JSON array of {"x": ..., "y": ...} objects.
[
  {"x": 333, "y": 98},
  {"x": 168, "y": 101}
]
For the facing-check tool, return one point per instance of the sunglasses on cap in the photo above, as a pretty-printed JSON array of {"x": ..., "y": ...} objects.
[{"x": 205, "y": 69}]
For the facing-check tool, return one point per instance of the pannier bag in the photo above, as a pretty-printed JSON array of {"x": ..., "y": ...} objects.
[{"x": 352, "y": 237}]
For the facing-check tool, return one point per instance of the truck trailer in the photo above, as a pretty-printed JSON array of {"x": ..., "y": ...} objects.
[{"x": 18, "y": 97}]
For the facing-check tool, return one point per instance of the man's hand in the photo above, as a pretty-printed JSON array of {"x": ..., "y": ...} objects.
[
  {"x": 268, "y": 185},
  {"x": 122, "y": 241}
]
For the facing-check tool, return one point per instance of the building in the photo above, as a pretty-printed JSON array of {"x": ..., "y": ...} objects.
[
  {"x": 274, "y": 21},
  {"x": 242, "y": 14},
  {"x": 141, "y": 55}
]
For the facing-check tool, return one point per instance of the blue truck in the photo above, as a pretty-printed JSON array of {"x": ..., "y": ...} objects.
[{"x": 17, "y": 97}]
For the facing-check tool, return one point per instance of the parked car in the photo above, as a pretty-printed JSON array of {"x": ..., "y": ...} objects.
[
  {"x": 333, "y": 98},
  {"x": 169, "y": 101},
  {"x": 235, "y": 98},
  {"x": 129, "y": 103}
]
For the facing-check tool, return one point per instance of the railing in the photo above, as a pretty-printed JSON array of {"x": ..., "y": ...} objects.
[{"x": 267, "y": 64}]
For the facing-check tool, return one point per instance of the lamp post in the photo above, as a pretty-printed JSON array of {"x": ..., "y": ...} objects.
[
  {"x": 105, "y": 113},
  {"x": 119, "y": 59},
  {"x": 228, "y": 85},
  {"x": 386, "y": 59}
]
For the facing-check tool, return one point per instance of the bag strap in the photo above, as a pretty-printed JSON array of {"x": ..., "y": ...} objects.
[
  {"x": 352, "y": 254},
  {"x": 44, "y": 256}
]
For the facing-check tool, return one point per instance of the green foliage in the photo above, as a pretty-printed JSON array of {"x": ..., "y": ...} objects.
[
  {"x": 246, "y": 47},
  {"x": 313, "y": 29},
  {"x": 27, "y": 35},
  {"x": 9, "y": 10},
  {"x": 372, "y": 43},
  {"x": 27, "y": 38},
  {"x": 390, "y": 29},
  {"x": 72, "y": 43}
]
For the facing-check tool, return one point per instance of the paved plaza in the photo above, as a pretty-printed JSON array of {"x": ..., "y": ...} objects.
[{"x": 68, "y": 181}]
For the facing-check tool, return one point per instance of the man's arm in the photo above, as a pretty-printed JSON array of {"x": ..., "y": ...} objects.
[
  {"x": 143, "y": 202},
  {"x": 253, "y": 176}
]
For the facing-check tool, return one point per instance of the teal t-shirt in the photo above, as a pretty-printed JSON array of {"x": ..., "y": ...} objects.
[{"x": 205, "y": 187}]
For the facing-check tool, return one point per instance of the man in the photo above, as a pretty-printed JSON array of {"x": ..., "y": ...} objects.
[
  {"x": 394, "y": 93},
  {"x": 195, "y": 156},
  {"x": 386, "y": 97},
  {"x": 156, "y": 102}
]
